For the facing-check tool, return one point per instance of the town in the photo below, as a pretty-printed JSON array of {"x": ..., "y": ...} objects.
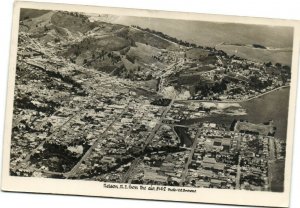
[{"x": 145, "y": 112}]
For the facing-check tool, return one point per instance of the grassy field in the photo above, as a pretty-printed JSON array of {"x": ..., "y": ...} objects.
[
  {"x": 145, "y": 54},
  {"x": 196, "y": 53},
  {"x": 72, "y": 23},
  {"x": 262, "y": 129},
  {"x": 93, "y": 44},
  {"x": 31, "y": 13},
  {"x": 151, "y": 84},
  {"x": 152, "y": 40}
]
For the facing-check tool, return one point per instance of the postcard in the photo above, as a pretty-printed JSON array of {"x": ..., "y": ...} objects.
[{"x": 156, "y": 105}]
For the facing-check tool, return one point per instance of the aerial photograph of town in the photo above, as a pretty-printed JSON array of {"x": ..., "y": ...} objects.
[{"x": 152, "y": 101}]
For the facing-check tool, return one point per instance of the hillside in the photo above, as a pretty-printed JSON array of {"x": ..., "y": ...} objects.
[
  {"x": 211, "y": 34},
  {"x": 31, "y": 13},
  {"x": 179, "y": 67}
]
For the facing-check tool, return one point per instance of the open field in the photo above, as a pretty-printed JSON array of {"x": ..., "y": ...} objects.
[{"x": 261, "y": 129}]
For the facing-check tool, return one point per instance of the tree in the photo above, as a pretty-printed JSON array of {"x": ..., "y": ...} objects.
[
  {"x": 278, "y": 65},
  {"x": 268, "y": 64}
]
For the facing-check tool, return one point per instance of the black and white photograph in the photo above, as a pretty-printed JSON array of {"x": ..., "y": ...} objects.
[{"x": 136, "y": 101}]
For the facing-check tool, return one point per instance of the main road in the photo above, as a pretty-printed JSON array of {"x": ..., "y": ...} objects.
[
  {"x": 272, "y": 158},
  {"x": 136, "y": 161},
  {"x": 238, "y": 174},
  {"x": 186, "y": 167},
  {"x": 89, "y": 151}
]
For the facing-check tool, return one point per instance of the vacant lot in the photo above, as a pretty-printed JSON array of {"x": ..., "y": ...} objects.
[
  {"x": 261, "y": 129},
  {"x": 196, "y": 53},
  {"x": 152, "y": 40},
  {"x": 31, "y": 13}
]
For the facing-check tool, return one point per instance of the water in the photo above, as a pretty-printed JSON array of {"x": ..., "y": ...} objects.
[
  {"x": 272, "y": 106},
  {"x": 212, "y": 33}
]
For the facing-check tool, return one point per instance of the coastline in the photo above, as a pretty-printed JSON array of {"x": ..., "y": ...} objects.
[{"x": 235, "y": 101}]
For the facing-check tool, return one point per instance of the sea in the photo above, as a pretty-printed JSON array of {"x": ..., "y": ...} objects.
[{"x": 272, "y": 106}]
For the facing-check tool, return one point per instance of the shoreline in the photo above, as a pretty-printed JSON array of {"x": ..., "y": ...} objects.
[
  {"x": 287, "y": 49},
  {"x": 235, "y": 101}
]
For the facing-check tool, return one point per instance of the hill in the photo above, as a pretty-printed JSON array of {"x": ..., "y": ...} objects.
[
  {"x": 143, "y": 54},
  {"x": 31, "y": 13},
  {"x": 210, "y": 34}
]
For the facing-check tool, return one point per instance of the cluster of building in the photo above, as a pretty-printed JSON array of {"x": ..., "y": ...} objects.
[
  {"x": 214, "y": 160},
  {"x": 185, "y": 111},
  {"x": 49, "y": 111},
  {"x": 280, "y": 149},
  {"x": 161, "y": 168},
  {"x": 165, "y": 138},
  {"x": 218, "y": 159},
  {"x": 121, "y": 143},
  {"x": 233, "y": 78}
]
